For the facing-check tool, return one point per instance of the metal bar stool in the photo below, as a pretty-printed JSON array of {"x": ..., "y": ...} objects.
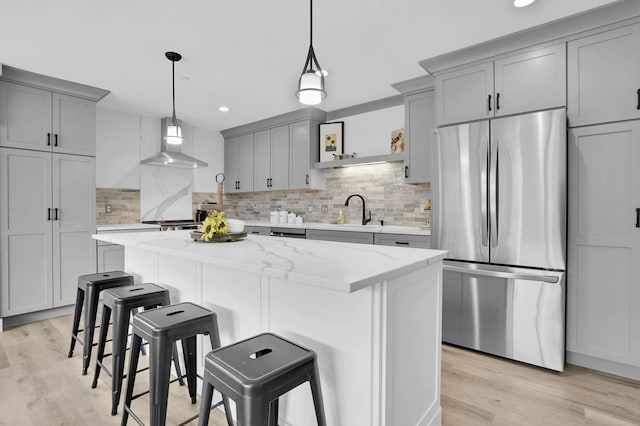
[
  {"x": 89, "y": 288},
  {"x": 122, "y": 302},
  {"x": 162, "y": 327},
  {"x": 254, "y": 373}
]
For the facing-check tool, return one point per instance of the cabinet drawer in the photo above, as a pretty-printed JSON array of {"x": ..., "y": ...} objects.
[
  {"x": 257, "y": 230},
  {"x": 341, "y": 236},
  {"x": 403, "y": 240}
]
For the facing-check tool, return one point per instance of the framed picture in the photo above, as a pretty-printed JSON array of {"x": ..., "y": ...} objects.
[
  {"x": 331, "y": 140},
  {"x": 397, "y": 141}
]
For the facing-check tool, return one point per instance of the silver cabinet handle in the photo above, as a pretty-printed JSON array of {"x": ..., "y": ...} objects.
[{"x": 497, "y": 274}]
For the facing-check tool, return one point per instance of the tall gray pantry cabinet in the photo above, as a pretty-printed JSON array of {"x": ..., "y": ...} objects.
[{"x": 47, "y": 190}]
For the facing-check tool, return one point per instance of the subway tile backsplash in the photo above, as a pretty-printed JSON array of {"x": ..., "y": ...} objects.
[{"x": 382, "y": 186}]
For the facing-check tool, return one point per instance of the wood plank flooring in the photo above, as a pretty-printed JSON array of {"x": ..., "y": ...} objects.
[{"x": 39, "y": 385}]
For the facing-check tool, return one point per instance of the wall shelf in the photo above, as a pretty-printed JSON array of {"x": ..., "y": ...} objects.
[{"x": 357, "y": 161}]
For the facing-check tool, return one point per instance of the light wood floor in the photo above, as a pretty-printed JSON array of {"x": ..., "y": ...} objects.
[{"x": 39, "y": 385}]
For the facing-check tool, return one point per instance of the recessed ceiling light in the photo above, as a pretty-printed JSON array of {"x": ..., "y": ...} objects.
[
  {"x": 224, "y": 109},
  {"x": 522, "y": 3}
]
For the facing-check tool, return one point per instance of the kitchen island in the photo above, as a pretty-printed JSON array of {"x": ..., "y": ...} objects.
[{"x": 371, "y": 313}]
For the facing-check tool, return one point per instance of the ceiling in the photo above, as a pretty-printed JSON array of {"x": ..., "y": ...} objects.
[{"x": 248, "y": 54}]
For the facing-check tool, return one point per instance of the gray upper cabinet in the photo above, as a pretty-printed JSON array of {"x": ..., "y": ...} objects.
[
  {"x": 32, "y": 118},
  {"x": 465, "y": 94},
  {"x": 419, "y": 123},
  {"x": 604, "y": 77},
  {"x": 603, "y": 265},
  {"x": 238, "y": 164},
  {"x": 303, "y": 153},
  {"x": 271, "y": 159},
  {"x": 529, "y": 81}
]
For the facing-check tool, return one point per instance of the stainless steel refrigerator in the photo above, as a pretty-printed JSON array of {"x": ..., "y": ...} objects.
[{"x": 499, "y": 208}]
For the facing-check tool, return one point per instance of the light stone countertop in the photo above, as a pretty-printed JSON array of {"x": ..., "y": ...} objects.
[
  {"x": 123, "y": 227},
  {"x": 386, "y": 229},
  {"x": 344, "y": 267}
]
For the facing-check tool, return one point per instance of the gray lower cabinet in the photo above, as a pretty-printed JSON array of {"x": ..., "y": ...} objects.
[
  {"x": 604, "y": 77},
  {"x": 342, "y": 236},
  {"x": 603, "y": 291},
  {"x": 403, "y": 240},
  {"x": 47, "y": 217},
  {"x": 419, "y": 123},
  {"x": 39, "y": 119},
  {"x": 258, "y": 230},
  {"x": 238, "y": 164},
  {"x": 110, "y": 257}
]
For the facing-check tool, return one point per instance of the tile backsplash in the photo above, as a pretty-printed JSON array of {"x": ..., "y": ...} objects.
[{"x": 382, "y": 186}]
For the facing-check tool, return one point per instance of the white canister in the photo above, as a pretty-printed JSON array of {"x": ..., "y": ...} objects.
[
  {"x": 291, "y": 218},
  {"x": 274, "y": 217},
  {"x": 299, "y": 220},
  {"x": 283, "y": 216}
]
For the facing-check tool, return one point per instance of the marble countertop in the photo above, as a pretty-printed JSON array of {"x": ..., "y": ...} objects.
[
  {"x": 123, "y": 227},
  {"x": 386, "y": 229},
  {"x": 344, "y": 267}
]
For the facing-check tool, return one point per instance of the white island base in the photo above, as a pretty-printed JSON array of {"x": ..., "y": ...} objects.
[{"x": 371, "y": 313}]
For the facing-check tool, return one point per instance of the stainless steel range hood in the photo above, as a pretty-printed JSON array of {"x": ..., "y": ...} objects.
[{"x": 170, "y": 156}]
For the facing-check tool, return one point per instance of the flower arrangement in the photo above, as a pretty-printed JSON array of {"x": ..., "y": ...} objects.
[{"x": 214, "y": 224}]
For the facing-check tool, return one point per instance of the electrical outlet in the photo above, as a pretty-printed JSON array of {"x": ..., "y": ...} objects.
[
  {"x": 325, "y": 209},
  {"x": 107, "y": 208}
]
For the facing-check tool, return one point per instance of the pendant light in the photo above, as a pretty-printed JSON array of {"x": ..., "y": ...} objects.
[
  {"x": 174, "y": 132},
  {"x": 311, "y": 83}
]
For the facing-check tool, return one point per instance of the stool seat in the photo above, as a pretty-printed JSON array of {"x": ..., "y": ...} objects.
[
  {"x": 254, "y": 373},
  {"x": 87, "y": 295},
  {"x": 122, "y": 302},
  {"x": 161, "y": 327}
]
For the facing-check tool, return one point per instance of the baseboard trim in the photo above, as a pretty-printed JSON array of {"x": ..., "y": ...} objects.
[
  {"x": 603, "y": 365},
  {"x": 16, "y": 320}
]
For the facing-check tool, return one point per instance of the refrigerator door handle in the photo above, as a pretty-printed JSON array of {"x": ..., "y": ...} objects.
[
  {"x": 551, "y": 279},
  {"x": 483, "y": 196},
  {"x": 493, "y": 196}
]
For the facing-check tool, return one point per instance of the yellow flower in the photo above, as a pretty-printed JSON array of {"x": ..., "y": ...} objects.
[{"x": 214, "y": 224}]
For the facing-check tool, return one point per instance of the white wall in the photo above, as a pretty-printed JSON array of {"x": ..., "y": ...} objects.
[
  {"x": 370, "y": 133},
  {"x": 123, "y": 139}
]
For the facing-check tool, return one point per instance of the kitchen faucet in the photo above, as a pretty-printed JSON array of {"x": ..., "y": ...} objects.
[{"x": 364, "y": 220}]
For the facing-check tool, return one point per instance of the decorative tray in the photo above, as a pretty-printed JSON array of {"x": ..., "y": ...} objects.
[{"x": 220, "y": 238}]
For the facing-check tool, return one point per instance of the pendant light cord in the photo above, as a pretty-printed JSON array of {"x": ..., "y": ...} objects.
[
  {"x": 173, "y": 78},
  {"x": 311, "y": 23}
]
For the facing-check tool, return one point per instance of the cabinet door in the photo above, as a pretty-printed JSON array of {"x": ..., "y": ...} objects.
[
  {"x": 74, "y": 221},
  {"x": 604, "y": 77},
  {"x": 262, "y": 160},
  {"x": 465, "y": 94},
  {"x": 531, "y": 81},
  {"x": 231, "y": 165},
  {"x": 110, "y": 258},
  {"x": 300, "y": 155},
  {"x": 74, "y": 125},
  {"x": 25, "y": 231},
  {"x": 419, "y": 123},
  {"x": 603, "y": 292},
  {"x": 25, "y": 117},
  {"x": 245, "y": 163},
  {"x": 279, "y": 158}
]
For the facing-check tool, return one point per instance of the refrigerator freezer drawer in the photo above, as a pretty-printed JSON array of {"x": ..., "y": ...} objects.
[{"x": 516, "y": 313}]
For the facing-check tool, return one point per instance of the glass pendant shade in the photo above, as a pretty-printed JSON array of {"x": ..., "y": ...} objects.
[
  {"x": 310, "y": 89},
  {"x": 174, "y": 134}
]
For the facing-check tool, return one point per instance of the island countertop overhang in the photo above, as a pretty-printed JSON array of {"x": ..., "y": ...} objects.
[{"x": 344, "y": 267}]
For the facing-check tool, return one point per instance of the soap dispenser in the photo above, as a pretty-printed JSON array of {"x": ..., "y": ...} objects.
[{"x": 340, "y": 217}]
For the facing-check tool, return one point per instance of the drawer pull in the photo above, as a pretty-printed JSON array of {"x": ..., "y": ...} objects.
[{"x": 402, "y": 243}]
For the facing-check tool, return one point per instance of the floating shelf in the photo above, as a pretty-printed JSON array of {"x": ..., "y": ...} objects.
[{"x": 359, "y": 161}]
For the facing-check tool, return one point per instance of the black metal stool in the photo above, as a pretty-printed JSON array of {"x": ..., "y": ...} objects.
[
  {"x": 254, "y": 373},
  {"x": 123, "y": 301},
  {"x": 162, "y": 327},
  {"x": 89, "y": 288}
]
